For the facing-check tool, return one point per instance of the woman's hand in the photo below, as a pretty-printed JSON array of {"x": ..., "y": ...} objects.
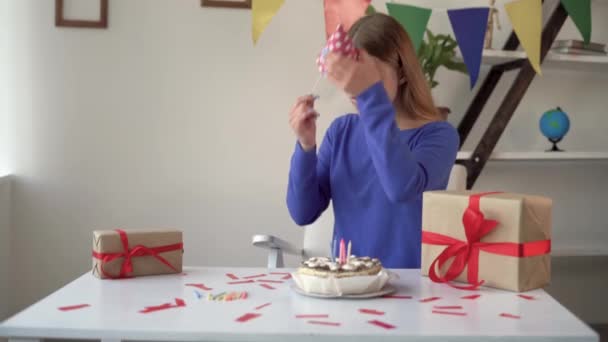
[
  {"x": 352, "y": 75},
  {"x": 302, "y": 120}
]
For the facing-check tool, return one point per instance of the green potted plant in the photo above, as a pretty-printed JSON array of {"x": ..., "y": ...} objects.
[{"x": 436, "y": 51}]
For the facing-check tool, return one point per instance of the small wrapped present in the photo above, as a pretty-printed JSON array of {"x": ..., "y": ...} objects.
[
  {"x": 132, "y": 253},
  {"x": 501, "y": 240}
]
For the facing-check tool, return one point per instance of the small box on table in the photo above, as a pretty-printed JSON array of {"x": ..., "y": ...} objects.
[{"x": 133, "y": 253}]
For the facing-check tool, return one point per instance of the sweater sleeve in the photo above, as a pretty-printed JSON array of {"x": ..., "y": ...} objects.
[
  {"x": 308, "y": 191},
  {"x": 404, "y": 172}
]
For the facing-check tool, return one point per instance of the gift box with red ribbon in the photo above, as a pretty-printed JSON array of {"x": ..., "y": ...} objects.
[
  {"x": 500, "y": 240},
  {"x": 132, "y": 253}
]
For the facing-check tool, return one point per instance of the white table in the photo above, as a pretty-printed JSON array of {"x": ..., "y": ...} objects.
[{"x": 114, "y": 304}]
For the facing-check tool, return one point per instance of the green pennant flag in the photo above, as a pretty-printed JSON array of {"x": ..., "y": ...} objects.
[
  {"x": 413, "y": 19},
  {"x": 370, "y": 10},
  {"x": 580, "y": 12}
]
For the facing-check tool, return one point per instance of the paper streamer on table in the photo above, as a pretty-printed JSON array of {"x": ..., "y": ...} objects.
[
  {"x": 526, "y": 17},
  {"x": 344, "y": 12},
  {"x": 580, "y": 12},
  {"x": 469, "y": 27},
  {"x": 262, "y": 12},
  {"x": 413, "y": 19}
]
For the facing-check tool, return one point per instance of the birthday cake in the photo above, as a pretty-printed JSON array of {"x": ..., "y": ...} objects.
[
  {"x": 355, "y": 266},
  {"x": 346, "y": 276}
]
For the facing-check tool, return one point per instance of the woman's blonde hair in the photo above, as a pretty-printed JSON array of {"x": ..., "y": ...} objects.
[{"x": 384, "y": 38}]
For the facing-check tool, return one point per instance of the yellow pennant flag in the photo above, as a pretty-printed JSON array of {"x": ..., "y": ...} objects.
[
  {"x": 526, "y": 17},
  {"x": 262, "y": 12}
]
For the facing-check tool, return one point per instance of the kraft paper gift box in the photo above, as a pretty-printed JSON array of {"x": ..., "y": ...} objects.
[
  {"x": 502, "y": 239},
  {"x": 133, "y": 253}
]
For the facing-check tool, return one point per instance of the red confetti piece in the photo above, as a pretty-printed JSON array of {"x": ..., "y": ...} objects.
[
  {"x": 73, "y": 307},
  {"x": 267, "y": 286},
  {"x": 371, "y": 312},
  {"x": 231, "y": 276},
  {"x": 200, "y": 286},
  {"x": 475, "y": 296},
  {"x": 449, "y": 313},
  {"x": 178, "y": 303},
  {"x": 262, "y": 306},
  {"x": 430, "y": 299},
  {"x": 184, "y": 274},
  {"x": 382, "y": 324},
  {"x": 240, "y": 282},
  {"x": 279, "y": 273},
  {"x": 448, "y": 307},
  {"x": 270, "y": 281},
  {"x": 526, "y": 297},
  {"x": 397, "y": 296},
  {"x": 288, "y": 276},
  {"x": 255, "y": 276},
  {"x": 247, "y": 317},
  {"x": 335, "y": 324},
  {"x": 506, "y": 315},
  {"x": 312, "y": 316}
]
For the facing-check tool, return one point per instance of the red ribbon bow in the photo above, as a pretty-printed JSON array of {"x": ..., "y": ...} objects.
[
  {"x": 466, "y": 253},
  {"x": 127, "y": 266}
]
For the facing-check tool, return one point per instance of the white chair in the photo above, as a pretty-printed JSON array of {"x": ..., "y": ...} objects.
[{"x": 317, "y": 236}]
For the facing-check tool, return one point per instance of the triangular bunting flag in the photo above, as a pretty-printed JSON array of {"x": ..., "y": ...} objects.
[
  {"x": 526, "y": 17},
  {"x": 370, "y": 10},
  {"x": 344, "y": 12},
  {"x": 469, "y": 27},
  {"x": 580, "y": 12},
  {"x": 262, "y": 12},
  {"x": 413, "y": 19}
]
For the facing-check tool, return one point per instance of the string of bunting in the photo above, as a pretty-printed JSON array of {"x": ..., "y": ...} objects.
[{"x": 468, "y": 24}]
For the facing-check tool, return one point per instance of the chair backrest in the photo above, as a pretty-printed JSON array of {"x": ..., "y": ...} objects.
[{"x": 317, "y": 236}]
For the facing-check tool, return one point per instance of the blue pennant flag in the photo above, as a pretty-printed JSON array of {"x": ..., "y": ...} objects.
[{"x": 469, "y": 25}]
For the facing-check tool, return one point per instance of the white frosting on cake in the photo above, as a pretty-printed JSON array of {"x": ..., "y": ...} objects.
[{"x": 352, "y": 264}]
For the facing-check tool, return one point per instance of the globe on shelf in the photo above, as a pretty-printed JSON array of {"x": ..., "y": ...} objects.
[{"x": 554, "y": 124}]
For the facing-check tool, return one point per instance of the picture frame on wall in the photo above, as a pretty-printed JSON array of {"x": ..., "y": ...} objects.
[
  {"x": 101, "y": 23},
  {"x": 227, "y": 3}
]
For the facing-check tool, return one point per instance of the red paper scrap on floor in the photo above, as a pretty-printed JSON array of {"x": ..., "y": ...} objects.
[
  {"x": 335, "y": 324},
  {"x": 240, "y": 282},
  {"x": 449, "y": 313},
  {"x": 200, "y": 286},
  {"x": 475, "y": 296},
  {"x": 382, "y": 324},
  {"x": 430, "y": 299},
  {"x": 448, "y": 307},
  {"x": 526, "y": 297},
  {"x": 231, "y": 276},
  {"x": 270, "y": 281},
  {"x": 178, "y": 303},
  {"x": 288, "y": 276},
  {"x": 371, "y": 312},
  {"x": 312, "y": 316},
  {"x": 262, "y": 306},
  {"x": 397, "y": 296},
  {"x": 506, "y": 315},
  {"x": 255, "y": 276},
  {"x": 267, "y": 286},
  {"x": 247, "y": 317},
  {"x": 73, "y": 307}
]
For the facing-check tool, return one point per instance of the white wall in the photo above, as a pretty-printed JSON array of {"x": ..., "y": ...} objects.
[
  {"x": 4, "y": 80},
  {"x": 171, "y": 118}
]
